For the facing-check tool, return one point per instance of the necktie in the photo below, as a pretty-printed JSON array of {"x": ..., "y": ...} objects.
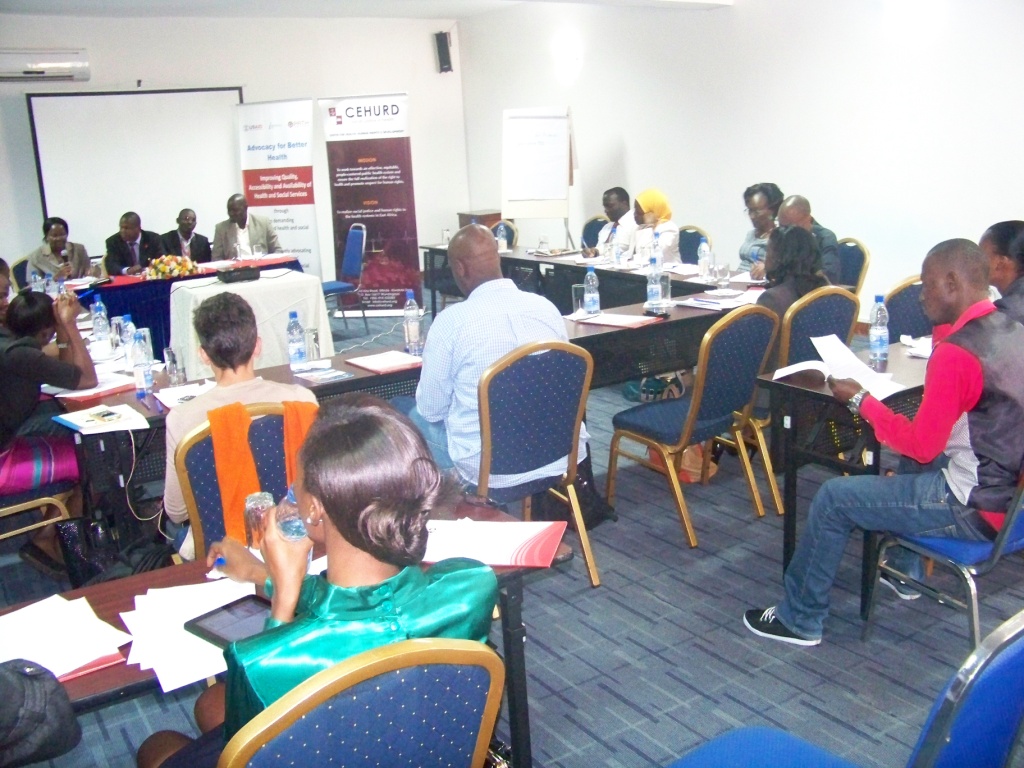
[{"x": 135, "y": 255}]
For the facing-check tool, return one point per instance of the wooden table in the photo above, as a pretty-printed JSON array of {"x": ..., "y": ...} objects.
[{"x": 124, "y": 681}]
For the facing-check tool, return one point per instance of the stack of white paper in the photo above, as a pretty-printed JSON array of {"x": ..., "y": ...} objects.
[
  {"x": 61, "y": 635},
  {"x": 172, "y": 396},
  {"x": 841, "y": 363},
  {"x": 162, "y": 643}
]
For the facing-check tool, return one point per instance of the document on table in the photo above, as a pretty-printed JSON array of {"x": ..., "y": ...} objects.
[
  {"x": 61, "y": 635},
  {"x": 494, "y": 543},
  {"x": 839, "y": 361},
  {"x": 618, "y": 321},
  {"x": 921, "y": 347},
  {"x": 386, "y": 362},
  {"x": 160, "y": 640},
  {"x": 108, "y": 382},
  {"x": 749, "y": 296},
  {"x": 103, "y": 418},
  {"x": 744, "y": 277},
  {"x": 172, "y": 396}
]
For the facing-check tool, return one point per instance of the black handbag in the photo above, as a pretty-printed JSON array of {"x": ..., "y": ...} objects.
[
  {"x": 36, "y": 719},
  {"x": 92, "y": 556}
]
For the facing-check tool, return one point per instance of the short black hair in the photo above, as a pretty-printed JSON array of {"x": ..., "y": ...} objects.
[
  {"x": 963, "y": 257},
  {"x": 133, "y": 217},
  {"x": 226, "y": 327},
  {"x": 50, "y": 221},
  {"x": 29, "y": 313},
  {"x": 619, "y": 192},
  {"x": 771, "y": 192},
  {"x": 1002, "y": 234},
  {"x": 372, "y": 471},
  {"x": 5, "y": 270},
  {"x": 796, "y": 256}
]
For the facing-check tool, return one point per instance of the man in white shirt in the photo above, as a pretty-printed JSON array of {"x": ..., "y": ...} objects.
[
  {"x": 226, "y": 327},
  {"x": 465, "y": 340},
  {"x": 619, "y": 230},
  {"x": 242, "y": 232}
]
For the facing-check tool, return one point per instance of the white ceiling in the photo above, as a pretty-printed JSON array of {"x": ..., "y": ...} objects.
[{"x": 408, "y": 9}]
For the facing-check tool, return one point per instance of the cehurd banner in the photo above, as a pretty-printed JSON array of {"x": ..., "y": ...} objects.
[
  {"x": 369, "y": 159},
  {"x": 275, "y": 139}
]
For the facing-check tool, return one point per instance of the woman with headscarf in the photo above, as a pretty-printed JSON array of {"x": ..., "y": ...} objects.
[{"x": 653, "y": 216}]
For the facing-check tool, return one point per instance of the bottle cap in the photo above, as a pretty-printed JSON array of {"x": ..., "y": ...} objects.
[
  {"x": 590, "y": 268},
  {"x": 293, "y": 315},
  {"x": 879, "y": 299},
  {"x": 409, "y": 295},
  {"x": 139, "y": 336},
  {"x": 127, "y": 319}
]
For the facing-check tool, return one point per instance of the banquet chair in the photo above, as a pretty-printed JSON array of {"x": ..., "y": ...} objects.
[
  {"x": 346, "y": 290},
  {"x": 55, "y": 494},
  {"x": 974, "y": 722},
  {"x": 513, "y": 231},
  {"x": 854, "y": 260},
  {"x": 689, "y": 241},
  {"x": 966, "y": 558},
  {"x": 591, "y": 229},
  {"x": 906, "y": 316},
  {"x": 197, "y": 470},
  {"x": 19, "y": 271},
  {"x": 531, "y": 404},
  {"x": 824, "y": 311},
  {"x": 732, "y": 354},
  {"x": 414, "y": 704}
]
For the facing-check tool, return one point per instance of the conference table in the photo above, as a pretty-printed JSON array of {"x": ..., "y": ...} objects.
[
  {"x": 272, "y": 297},
  {"x": 122, "y": 681},
  {"x": 809, "y": 426},
  {"x": 551, "y": 276},
  {"x": 149, "y": 301}
]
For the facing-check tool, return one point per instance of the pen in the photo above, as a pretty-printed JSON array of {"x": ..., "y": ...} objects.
[
  {"x": 220, "y": 562},
  {"x": 142, "y": 400}
]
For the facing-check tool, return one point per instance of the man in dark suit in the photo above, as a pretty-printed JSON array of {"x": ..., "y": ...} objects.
[
  {"x": 132, "y": 248},
  {"x": 184, "y": 241}
]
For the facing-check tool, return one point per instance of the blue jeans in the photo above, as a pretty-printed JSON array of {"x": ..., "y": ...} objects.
[
  {"x": 433, "y": 432},
  {"x": 919, "y": 504}
]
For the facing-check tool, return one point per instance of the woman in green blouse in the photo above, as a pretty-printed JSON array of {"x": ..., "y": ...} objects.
[{"x": 365, "y": 488}]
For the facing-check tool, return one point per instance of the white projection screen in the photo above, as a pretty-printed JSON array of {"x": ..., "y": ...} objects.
[{"x": 99, "y": 155}]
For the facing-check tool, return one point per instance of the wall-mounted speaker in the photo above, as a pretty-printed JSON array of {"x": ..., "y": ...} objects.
[{"x": 444, "y": 54}]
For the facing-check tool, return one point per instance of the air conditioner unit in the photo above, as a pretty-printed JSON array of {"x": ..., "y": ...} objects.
[{"x": 26, "y": 65}]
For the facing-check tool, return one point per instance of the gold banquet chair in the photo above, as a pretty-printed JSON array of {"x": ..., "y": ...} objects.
[
  {"x": 732, "y": 355},
  {"x": 532, "y": 403},
  {"x": 411, "y": 704}
]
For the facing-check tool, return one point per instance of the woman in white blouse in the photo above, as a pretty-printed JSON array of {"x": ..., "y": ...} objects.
[{"x": 653, "y": 216}]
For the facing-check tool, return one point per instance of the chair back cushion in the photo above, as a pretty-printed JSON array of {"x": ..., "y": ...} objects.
[
  {"x": 266, "y": 441},
  {"x": 532, "y": 405},
  {"x": 422, "y": 717},
  {"x": 591, "y": 230},
  {"x": 689, "y": 241},
  {"x": 352, "y": 262},
  {"x": 20, "y": 270},
  {"x": 826, "y": 314},
  {"x": 906, "y": 317},
  {"x": 734, "y": 359},
  {"x": 975, "y": 721},
  {"x": 851, "y": 263}
]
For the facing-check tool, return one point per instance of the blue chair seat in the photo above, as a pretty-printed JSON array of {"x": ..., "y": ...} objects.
[
  {"x": 332, "y": 287},
  {"x": 661, "y": 421},
  {"x": 51, "y": 489},
  {"x": 756, "y": 747},
  {"x": 962, "y": 550}
]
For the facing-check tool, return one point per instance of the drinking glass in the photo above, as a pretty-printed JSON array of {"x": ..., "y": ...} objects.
[
  {"x": 578, "y": 291},
  {"x": 312, "y": 344},
  {"x": 256, "y": 506},
  {"x": 147, "y": 341},
  {"x": 175, "y": 373},
  {"x": 446, "y": 236},
  {"x": 116, "y": 331},
  {"x": 724, "y": 275},
  {"x": 666, "y": 289},
  {"x": 259, "y": 251},
  {"x": 543, "y": 244}
]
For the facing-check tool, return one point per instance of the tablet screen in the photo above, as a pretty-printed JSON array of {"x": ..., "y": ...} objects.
[{"x": 243, "y": 618}]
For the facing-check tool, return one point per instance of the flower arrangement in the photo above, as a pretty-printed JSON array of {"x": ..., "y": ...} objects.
[{"x": 166, "y": 267}]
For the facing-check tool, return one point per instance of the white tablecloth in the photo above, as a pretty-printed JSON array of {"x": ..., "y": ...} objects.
[{"x": 272, "y": 297}]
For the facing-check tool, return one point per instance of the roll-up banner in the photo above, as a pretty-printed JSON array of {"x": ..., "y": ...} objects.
[
  {"x": 369, "y": 160},
  {"x": 276, "y": 140}
]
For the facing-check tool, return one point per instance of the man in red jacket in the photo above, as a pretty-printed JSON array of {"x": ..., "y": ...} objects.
[{"x": 969, "y": 428}]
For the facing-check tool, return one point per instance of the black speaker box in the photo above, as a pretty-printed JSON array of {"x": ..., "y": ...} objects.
[{"x": 444, "y": 54}]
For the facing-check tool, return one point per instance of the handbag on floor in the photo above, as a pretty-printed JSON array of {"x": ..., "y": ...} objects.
[
  {"x": 92, "y": 556},
  {"x": 593, "y": 507},
  {"x": 36, "y": 719}
]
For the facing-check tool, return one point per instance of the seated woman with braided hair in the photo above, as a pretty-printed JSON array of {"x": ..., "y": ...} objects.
[
  {"x": 793, "y": 268},
  {"x": 365, "y": 487}
]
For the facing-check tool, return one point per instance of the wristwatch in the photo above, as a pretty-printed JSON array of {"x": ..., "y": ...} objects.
[{"x": 854, "y": 402}]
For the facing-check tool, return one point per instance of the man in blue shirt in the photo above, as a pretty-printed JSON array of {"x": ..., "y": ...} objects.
[{"x": 466, "y": 339}]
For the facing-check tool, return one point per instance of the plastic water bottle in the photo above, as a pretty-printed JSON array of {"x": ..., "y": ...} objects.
[
  {"x": 878, "y": 333},
  {"x": 413, "y": 342},
  {"x": 703, "y": 257},
  {"x": 656, "y": 249},
  {"x": 501, "y": 234},
  {"x": 591, "y": 297},
  {"x": 60, "y": 285},
  {"x": 289, "y": 521},
  {"x": 141, "y": 366},
  {"x": 100, "y": 324},
  {"x": 50, "y": 286},
  {"x": 296, "y": 340},
  {"x": 654, "y": 283},
  {"x": 36, "y": 283},
  {"x": 127, "y": 331}
]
